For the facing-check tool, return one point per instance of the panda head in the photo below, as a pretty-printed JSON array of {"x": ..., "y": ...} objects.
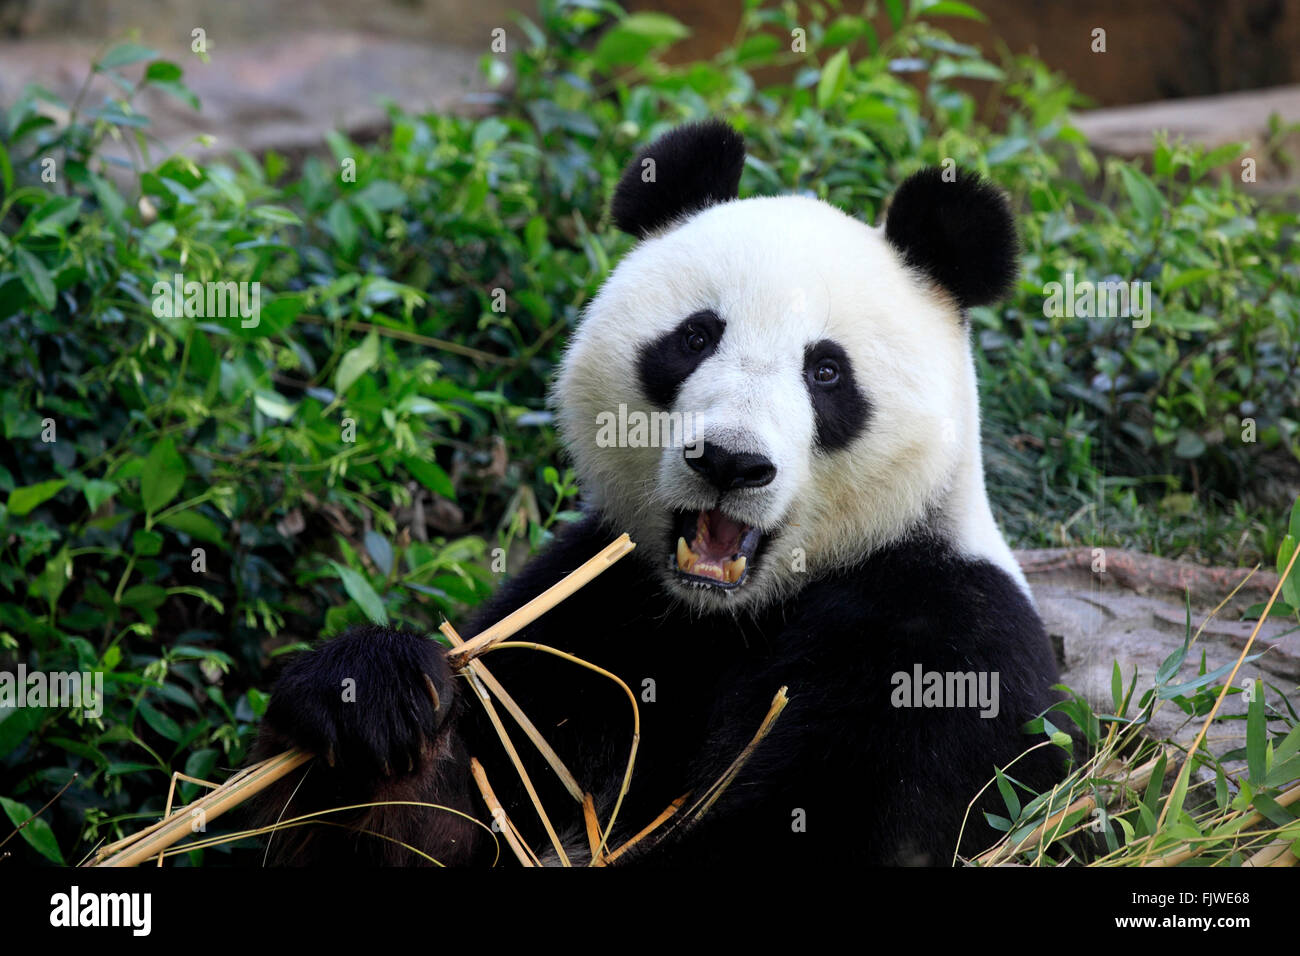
[{"x": 767, "y": 389}]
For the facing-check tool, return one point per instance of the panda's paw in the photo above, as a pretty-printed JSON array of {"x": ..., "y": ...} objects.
[{"x": 370, "y": 701}]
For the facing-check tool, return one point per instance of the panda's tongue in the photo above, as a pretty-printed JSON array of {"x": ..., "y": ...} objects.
[
  {"x": 717, "y": 547},
  {"x": 717, "y": 536}
]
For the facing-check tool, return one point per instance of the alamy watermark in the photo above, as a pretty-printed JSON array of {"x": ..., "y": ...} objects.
[
  {"x": 82, "y": 689},
  {"x": 949, "y": 689},
  {"x": 638, "y": 429},
  {"x": 208, "y": 300},
  {"x": 1114, "y": 299}
]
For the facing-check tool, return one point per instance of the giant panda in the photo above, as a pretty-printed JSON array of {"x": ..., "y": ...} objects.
[{"x": 823, "y": 527}]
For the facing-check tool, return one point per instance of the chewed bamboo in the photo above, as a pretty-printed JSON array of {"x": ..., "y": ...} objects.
[
  {"x": 564, "y": 588},
  {"x": 498, "y": 812},
  {"x": 245, "y": 784},
  {"x": 527, "y": 726},
  {"x": 173, "y": 828}
]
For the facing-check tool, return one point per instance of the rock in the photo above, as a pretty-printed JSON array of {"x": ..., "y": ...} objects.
[
  {"x": 1125, "y": 131},
  {"x": 1135, "y": 614},
  {"x": 281, "y": 94}
]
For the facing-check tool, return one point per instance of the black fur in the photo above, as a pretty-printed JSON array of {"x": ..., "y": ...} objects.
[
  {"x": 695, "y": 166},
  {"x": 842, "y": 409},
  {"x": 668, "y": 361},
  {"x": 875, "y": 783},
  {"x": 960, "y": 234}
]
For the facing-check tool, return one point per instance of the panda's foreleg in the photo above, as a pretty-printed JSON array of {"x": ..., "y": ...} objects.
[{"x": 380, "y": 710}]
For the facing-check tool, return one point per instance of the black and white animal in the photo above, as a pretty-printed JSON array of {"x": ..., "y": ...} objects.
[{"x": 822, "y": 525}]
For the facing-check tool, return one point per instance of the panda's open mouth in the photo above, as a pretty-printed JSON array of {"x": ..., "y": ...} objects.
[{"x": 711, "y": 548}]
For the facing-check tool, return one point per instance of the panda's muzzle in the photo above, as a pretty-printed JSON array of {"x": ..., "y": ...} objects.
[{"x": 714, "y": 549}]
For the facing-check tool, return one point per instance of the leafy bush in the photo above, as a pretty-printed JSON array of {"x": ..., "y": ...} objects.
[{"x": 188, "y": 497}]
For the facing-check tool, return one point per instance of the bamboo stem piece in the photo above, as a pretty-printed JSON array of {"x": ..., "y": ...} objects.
[
  {"x": 500, "y": 728},
  {"x": 654, "y": 825},
  {"x": 991, "y": 856},
  {"x": 498, "y": 812},
  {"x": 592, "y": 824},
  {"x": 521, "y": 618},
  {"x": 169, "y": 830},
  {"x": 527, "y": 726}
]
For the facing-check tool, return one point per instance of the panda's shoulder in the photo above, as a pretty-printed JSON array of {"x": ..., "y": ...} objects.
[{"x": 923, "y": 594}]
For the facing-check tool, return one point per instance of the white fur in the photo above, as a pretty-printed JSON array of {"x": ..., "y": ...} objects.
[{"x": 783, "y": 272}]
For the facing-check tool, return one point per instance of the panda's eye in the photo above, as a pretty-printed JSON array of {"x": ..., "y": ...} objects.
[
  {"x": 694, "y": 339},
  {"x": 827, "y": 372}
]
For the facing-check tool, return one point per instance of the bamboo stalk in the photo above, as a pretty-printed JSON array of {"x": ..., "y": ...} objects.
[
  {"x": 636, "y": 720},
  {"x": 163, "y": 834},
  {"x": 711, "y": 795},
  {"x": 1268, "y": 854},
  {"x": 519, "y": 766},
  {"x": 521, "y": 618},
  {"x": 669, "y": 812},
  {"x": 527, "y": 726},
  {"x": 498, "y": 812},
  {"x": 171, "y": 795},
  {"x": 1174, "y": 859},
  {"x": 592, "y": 824},
  {"x": 993, "y": 855}
]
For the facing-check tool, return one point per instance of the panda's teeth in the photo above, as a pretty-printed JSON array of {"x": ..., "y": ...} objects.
[
  {"x": 685, "y": 558},
  {"x": 732, "y": 570}
]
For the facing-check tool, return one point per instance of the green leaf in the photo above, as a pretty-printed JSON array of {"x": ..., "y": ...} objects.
[
  {"x": 380, "y": 551},
  {"x": 1008, "y": 791},
  {"x": 951, "y": 8},
  {"x": 359, "y": 590},
  {"x": 356, "y": 362},
  {"x": 632, "y": 39},
  {"x": 278, "y": 214},
  {"x": 432, "y": 476},
  {"x": 1006, "y": 148},
  {"x": 97, "y": 491},
  {"x": 162, "y": 725},
  {"x": 342, "y": 226},
  {"x": 6, "y": 171},
  {"x": 124, "y": 55},
  {"x": 36, "y": 278},
  {"x": 146, "y": 543},
  {"x": 143, "y": 597},
  {"x": 54, "y": 216},
  {"x": 384, "y": 196},
  {"x": 1273, "y": 811},
  {"x": 1142, "y": 192},
  {"x": 834, "y": 75},
  {"x": 195, "y": 524},
  {"x": 23, "y": 500},
  {"x": 178, "y": 91},
  {"x": 163, "y": 70},
  {"x": 37, "y": 833},
  {"x": 164, "y": 474},
  {"x": 1283, "y": 773}
]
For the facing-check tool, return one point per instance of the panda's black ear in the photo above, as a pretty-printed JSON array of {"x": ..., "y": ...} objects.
[
  {"x": 684, "y": 170},
  {"x": 958, "y": 230}
]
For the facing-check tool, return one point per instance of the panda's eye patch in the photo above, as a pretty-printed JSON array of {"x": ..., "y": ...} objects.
[
  {"x": 841, "y": 407},
  {"x": 669, "y": 360}
]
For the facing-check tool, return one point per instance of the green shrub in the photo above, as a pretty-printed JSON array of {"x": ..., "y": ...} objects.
[{"x": 417, "y": 290}]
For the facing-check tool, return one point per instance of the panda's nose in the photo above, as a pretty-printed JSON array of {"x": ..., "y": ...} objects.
[{"x": 726, "y": 470}]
